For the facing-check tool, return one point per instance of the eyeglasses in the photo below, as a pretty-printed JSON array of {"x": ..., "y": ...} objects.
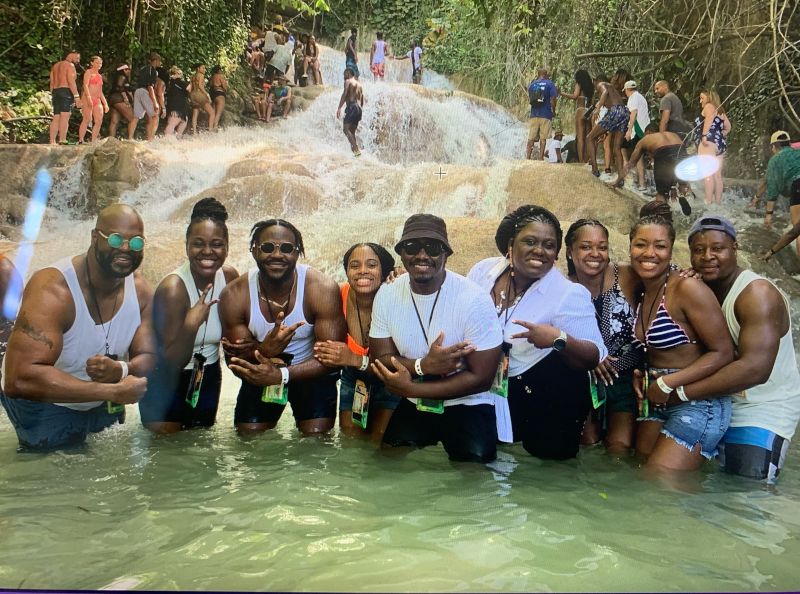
[
  {"x": 116, "y": 241},
  {"x": 413, "y": 246},
  {"x": 286, "y": 248}
]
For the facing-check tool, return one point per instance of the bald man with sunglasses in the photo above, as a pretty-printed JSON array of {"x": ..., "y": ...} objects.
[{"x": 83, "y": 341}]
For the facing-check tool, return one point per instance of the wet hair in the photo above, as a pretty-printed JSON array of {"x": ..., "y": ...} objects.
[
  {"x": 209, "y": 209},
  {"x": 657, "y": 208},
  {"x": 354, "y": 31},
  {"x": 350, "y": 70},
  {"x": 530, "y": 213},
  {"x": 585, "y": 83},
  {"x": 196, "y": 65},
  {"x": 384, "y": 257},
  {"x": 267, "y": 223},
  {"x": 621, "y": 76},
  {"x": 654, "y": 220},
  {"x": 569, "y": 238},
  {"x": 216, "y": 69},
  {"x": 93, "y": 58},
  {"x": 379, "y": 35},
  {"x": 70, "y": 51},
  {"x": 652, "y": 127}
]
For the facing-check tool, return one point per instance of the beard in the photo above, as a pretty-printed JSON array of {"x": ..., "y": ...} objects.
[{"x": 106, "y": 262}]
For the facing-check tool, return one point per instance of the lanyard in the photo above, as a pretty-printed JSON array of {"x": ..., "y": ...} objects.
[
  {"x": 205, "y": 324},
  {"x": 430, "y": 318},
  {"x": 97, "y": 306}
]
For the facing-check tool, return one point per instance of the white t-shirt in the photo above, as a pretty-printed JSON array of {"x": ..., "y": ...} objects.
[
  {"x": 415, "y": 57},
  {"x": 552, "y": 300},
  {"x": 552, "y": 156},
  {"x": 282, "y": 58},
  {"x": 463, "y": 312},
  {"x": 639, "y": 103},
  {"x": 269, "y": 41}
]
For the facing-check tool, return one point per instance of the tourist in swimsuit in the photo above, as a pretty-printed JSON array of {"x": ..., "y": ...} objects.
[
  {"x": 551, "y": 338},
  {"x": 353, "y": 96},
  {"x": 613, "y": 122},
  {"x": 271, "y": 318},
  {"x": 83, "y": 341},
  {"x": 64, "y": 91},
  {"x": 582, "y": 96},
  {"x": 680, "y": 326},
  {"x": 613, "y": 288},
  {"x": 312, "y": 59},
  {"x": 120, "y": 100},
  {"x": 367, "y": 266},
  {"x": 93, "y": 101},
  {"x": 200, "y": 98},
  {"x": 711, "y": 137},
  {"x": 219, "y": 91},
  {"x": 178, "y": 107},
  {"x": 188, "y": 328}
]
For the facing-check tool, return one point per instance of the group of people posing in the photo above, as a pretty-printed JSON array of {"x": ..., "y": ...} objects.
[
  {"x": 513, "y": 352},
  {"x": 615, "y": 113},
  {"x": 159, "y": 95}
]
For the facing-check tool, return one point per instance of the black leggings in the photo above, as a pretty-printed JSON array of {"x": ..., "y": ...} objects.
[{"x": 549, "y": 404}]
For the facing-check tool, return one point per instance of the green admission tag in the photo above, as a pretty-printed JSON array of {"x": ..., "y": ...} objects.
[
  {"x": 196, "y": 381},
  {"x": 431, "y": 406},
  {"x": 277, "y": 394},
  {"x": 500, "y": 382},
  {"x": 645, "y": 401},
  {"x": 114, "y": 408},
  {"x": 598, "y": 400},
  {"x": 360, "y": 404}
]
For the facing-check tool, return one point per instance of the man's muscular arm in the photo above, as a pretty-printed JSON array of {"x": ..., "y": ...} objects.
[
  {"x": 142, "y": 352},
  {"x": 234, "y": 302},
  {"x": 763, "y": 318},
  {"x": 35, "y": 344},
  {"x": 325, "y": 304}
]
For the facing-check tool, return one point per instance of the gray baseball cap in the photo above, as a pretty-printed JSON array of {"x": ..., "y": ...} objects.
[{"x": 712, "y": 223}]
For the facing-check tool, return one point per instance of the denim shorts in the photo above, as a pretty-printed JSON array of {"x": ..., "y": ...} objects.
[
  {"x": 697, "y": 421},
  {"x": 43, "y": 426},
  {"x": 379, "y": 396}
]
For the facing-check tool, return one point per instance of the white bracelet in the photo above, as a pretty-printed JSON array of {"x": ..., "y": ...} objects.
[
  {"x": 418, "y": 367},
  {"x": 364, "y": 363},
  {"x": 284, "y": 376},
  {"x": 662, "y": 385},
  {"x": 682, "y": 394},
  {"x": 124, "y": 367}
]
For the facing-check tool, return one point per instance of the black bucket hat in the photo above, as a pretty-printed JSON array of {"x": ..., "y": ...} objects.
[{"x": 424, "y": 226}]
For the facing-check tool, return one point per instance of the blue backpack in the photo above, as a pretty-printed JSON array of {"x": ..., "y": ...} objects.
[{"x": 537, "y": 93}]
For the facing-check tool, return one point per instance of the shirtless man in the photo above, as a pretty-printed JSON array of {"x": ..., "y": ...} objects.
[
  {"x": 353, "y": 95},
  {"x": 65, "y": 95},
  {"x": 763, "y": 379},
  {"x": 665, "y": 149},
  {"x": 271, "y": 317},
  {"x": 614, "y": 122},
  {"x": 64, "y": 376}
]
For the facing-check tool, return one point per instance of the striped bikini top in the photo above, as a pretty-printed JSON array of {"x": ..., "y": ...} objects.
[{"x": 664, "y": 332}]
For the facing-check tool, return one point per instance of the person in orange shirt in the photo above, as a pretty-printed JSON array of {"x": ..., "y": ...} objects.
[{"x": 367, "y": 266}]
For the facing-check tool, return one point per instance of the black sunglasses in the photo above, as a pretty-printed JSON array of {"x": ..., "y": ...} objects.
[
  {"x": 432, "y": 247},
  {"x": 286, "y": 248}
]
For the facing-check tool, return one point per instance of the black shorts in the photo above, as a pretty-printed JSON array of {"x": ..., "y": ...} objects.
[
  {"x": 63, "y": 101},
  {"x": 794, "y": 195},
  {"x": 352, "y": 114},
  {"x": 165, "y": 400},
  {"x": 629, "y": 145},
  {"x": 310, "y": 399},
  {"x": 548, "y": 405},
  {"x": 468, "y": 433},
  {"x": 665, "y": 160}
]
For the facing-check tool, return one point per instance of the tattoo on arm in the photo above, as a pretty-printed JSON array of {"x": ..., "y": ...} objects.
[{"x": 27, "y": 328}]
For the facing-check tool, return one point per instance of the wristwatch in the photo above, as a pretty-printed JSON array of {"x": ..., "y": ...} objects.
[{"x": 560, "y": 343}]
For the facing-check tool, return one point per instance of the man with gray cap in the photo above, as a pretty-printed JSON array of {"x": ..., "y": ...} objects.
[
  {"x": 763, "y": 379},
  {"x": 435, "y": 341},
  {"x": 783, "y": 177}
]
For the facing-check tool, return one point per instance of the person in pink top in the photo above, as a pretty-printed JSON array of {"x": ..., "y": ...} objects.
[{"x": 93, "y": 102}]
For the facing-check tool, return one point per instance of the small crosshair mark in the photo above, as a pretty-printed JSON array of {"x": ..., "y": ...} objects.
[{"x": 440, "y": 173}]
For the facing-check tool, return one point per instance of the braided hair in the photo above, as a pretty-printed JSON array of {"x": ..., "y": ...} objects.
[
  {"x": 512, "y": 223},
  {"x": 573, "y": 231},
  {"x": 654, "y": 220},
  {"x": 209, "y": 209},
  {"x": 267, "y": 223}
]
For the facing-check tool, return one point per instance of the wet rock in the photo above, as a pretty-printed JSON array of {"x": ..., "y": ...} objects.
[{"x": 115, "y": 167}]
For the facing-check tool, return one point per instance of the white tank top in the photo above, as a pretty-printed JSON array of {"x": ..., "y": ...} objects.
[
  {"x": 380, "y": 52},
  {"x": 302, "y": 344},
  {"x": 210, "y": 332},
  {"x": 775, "y": 404},
  {"x": 86, "y": 339}
]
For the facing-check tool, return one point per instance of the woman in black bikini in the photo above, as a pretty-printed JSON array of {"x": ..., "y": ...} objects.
[
  {"x": 219, "y": 90},
  {"x": 120, "y": 100},
  {"x": 582, "y": 96}
]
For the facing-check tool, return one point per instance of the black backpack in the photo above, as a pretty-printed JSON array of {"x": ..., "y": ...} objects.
[{"x": 536, "y": 93}]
